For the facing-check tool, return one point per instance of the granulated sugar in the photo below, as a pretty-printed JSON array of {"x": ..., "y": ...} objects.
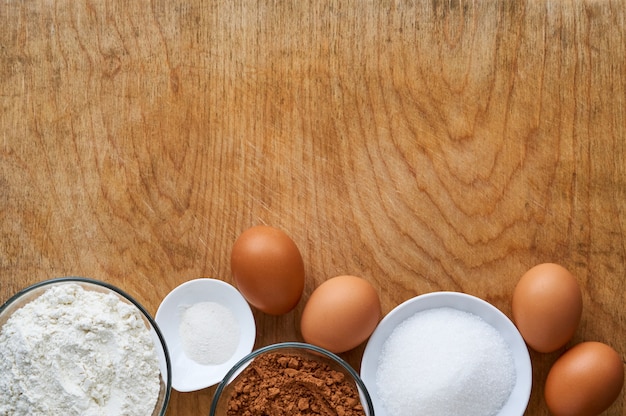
[{"x": 445, "y": 362}]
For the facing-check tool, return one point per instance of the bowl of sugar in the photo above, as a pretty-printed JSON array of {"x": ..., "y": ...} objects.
[
  {"x": 447, "y": 353},
  {"x": 208, "y": 326}
]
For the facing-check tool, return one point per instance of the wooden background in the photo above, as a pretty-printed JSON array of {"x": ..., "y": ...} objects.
[{"x": 423, "y": 145}]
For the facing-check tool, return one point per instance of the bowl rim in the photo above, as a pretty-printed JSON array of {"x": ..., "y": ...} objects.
[
  {"x": 364, "y": 393},
  {"x": 460, "y": 301},
  {"x": 95, "y": 282}
]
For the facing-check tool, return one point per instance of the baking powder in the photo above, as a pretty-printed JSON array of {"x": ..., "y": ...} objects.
[{"x": 209, "y": 333}]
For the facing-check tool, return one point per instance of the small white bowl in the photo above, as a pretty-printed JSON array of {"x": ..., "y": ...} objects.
[
  {"x": 188, "y": 375},
  {"x": 517, "y": 401}
]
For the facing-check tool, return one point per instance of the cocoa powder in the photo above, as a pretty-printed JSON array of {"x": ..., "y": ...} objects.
[{"x": 281, "y": 384}]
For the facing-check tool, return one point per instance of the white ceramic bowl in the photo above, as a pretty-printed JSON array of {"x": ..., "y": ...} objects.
[
  {"x": 188, "y": 375},
  {"x": 517, "y": 401}
]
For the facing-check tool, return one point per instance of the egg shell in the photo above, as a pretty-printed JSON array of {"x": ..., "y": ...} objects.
[
  {"x": 547, "y": 307},
  {"x": 584, "y": 381},
  {"x": 268, "y": 269},
  {"x": 341, "y": 313}
]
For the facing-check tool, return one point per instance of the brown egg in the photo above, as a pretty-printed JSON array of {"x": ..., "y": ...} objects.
[
  {"x": 341, "y": 313},
  {"x": 585, "y": 380},
  {"x": 547, "y": 306},
  {"x": 268, "y": 269}
]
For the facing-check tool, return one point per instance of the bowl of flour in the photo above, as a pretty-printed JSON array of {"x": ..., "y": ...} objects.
[
  {"x": 77, "y": 346},
  {"x": 446, "y": 354}
]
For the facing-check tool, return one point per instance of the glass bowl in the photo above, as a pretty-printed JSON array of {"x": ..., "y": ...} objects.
[
  {"x": 292, "y": 364},
  {"x": 518, "y": 398},
  {"x": 29, "y": 294}
]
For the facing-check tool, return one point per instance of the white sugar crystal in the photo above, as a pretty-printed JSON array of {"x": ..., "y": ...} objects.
[{"x": 445, "y": 362}]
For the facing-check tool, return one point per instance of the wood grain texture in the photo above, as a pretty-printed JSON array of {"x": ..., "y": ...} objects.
[{"x": 440, "y": 145}]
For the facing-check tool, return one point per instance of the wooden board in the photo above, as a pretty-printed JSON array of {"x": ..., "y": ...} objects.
[{"x": 440, "y": 145}]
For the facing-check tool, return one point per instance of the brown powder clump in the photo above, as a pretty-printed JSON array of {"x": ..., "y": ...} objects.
[{"x": 279, "y": 384}]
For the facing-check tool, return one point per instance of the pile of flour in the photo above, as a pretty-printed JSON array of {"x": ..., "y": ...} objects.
[{"x": 77, "y": 352}]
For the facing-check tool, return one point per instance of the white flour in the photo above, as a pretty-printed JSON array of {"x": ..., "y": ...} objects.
[{"x": 77, "y": 352}]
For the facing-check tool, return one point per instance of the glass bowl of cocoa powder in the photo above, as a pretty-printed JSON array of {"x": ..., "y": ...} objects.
[{"x": 291, "y": 378}]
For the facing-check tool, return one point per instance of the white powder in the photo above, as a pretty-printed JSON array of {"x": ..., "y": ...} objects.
[
  {"x": 445, "y": 362},
  {"x": 77, "y": 352},
  {"x": 209, "y": 333}
]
